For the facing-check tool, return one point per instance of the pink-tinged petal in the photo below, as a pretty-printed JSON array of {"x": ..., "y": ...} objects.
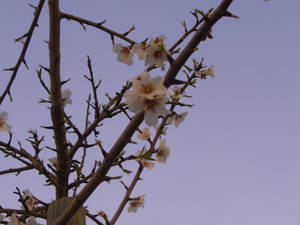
[
  {"x": 134, "y": 102},
  {"x": 151, "y": 118}
]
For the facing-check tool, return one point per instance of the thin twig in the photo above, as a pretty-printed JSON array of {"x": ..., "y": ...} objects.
[
  {"x": 127, "y": 195},
  {"x": 97, "y": 25},
  {"x": 24, "y": 50},
  {"x": 16, "y": 170},
  {"x": 92, "y": 217}
]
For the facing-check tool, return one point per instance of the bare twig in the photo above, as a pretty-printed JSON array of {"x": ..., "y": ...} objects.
[
  {"x": 24, "y": 50},
  {"x": 16, "y": 170},
  {"x": 94, "y": 88},
  {"x": 97, "y": 25},
  {"x": 127, "y": 195},
  {"x": 93, "y": 217}
]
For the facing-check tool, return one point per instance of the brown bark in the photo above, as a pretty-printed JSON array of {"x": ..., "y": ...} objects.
[{"x": 57, "y": 110}]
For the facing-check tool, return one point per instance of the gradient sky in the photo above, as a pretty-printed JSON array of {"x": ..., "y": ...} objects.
[{"x": 234, "y": 161}]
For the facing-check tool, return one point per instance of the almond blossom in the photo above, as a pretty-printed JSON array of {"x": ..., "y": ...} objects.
[
  {"x": 210, "y": 71},
  {"x": 148, "y": 95},
  {"x": 148, "y": 87},
  {"x": 153, "y": 107},
  {"x": 30, "y": 201},
  {"x": 163, "y": 152},
  {"x": 136, "y": 203},
  {"x": 31, "y": 221},
  {"x": 145, "y": 134},
  {"x": 146, "y": 163},
  {"x": 66, "y": 96},
  {"x": 13, "y": 220},
  {"x": 176, "y": 94},
  {"x": 141, "y": 50},
  {"x": 124, "y": 53},
  {"x": 157, "y": 52},
  {"x": 177, "y": 118},
  {"x": 4, "y": 126}
]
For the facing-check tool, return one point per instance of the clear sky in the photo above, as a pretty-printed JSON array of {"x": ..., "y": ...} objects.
[{"x": 235, "y": 159}]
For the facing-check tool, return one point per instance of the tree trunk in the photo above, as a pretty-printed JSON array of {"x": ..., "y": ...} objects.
[{"x": 58, "y": 206}]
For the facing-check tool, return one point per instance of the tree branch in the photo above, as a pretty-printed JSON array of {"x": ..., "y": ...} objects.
[
  {"x": 97, "y": 25},
  {"x": 16, "y": 170},
  {"x": 23, "y": 52},
  {"x": 127, "y": 195},
  {"x": 57, "y": 110}
]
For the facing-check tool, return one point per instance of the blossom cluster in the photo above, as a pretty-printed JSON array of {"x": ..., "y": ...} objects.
[
  {"x": 154, "y": 52},
  {"x": 149, "y": 95},
  {"x": 13, "y": 220}
]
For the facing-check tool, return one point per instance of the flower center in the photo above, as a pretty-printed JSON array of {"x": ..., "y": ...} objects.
[
  {"x": 125, "y": 50},
  {"x": 157, "y": 54},
  {"x": 150, "y": 104},
  {"x": 148, "y": 88}
]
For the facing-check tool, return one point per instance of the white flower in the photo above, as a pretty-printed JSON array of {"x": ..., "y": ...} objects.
[
  {"x": 53, "y": 161},
  {"x": 31, "y": 221},
  {"x": 163, "y": 152},
  {"x": 66, "y": 96},
  {"x": 177, "y": 118},
  {"x": 157, "y": 52},
  {"x": 177, "y": 94},
  {"x": 156, "y": 56},
  {"x": 146, "y": 163},
  {"x": 148, "y": 87},
  {"x": 158, "y": 40},
  {"x": 136, "y": 203},
  {"x": 30, "y": 201},
  {"x": 145, "y": 134},
  {"x": 149, "y": 95},
  {"x": 4, "y": 126},
  {"x": 124, "y": 54},
  {"x": 1, "y": 217},
  {"x": 140, "y": 49},
  {"x": 13, "y": 220},
  {"x": 210, "y": 71}
]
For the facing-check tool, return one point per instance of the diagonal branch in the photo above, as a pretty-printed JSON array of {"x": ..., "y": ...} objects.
[
  {"x": 23, "y": 52},
  {"x": 127, "y": 195},
  {"x": 217, "y": 14}
]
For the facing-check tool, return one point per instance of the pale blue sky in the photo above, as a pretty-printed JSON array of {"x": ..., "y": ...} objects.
[{"x": 235, "y": 160}]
